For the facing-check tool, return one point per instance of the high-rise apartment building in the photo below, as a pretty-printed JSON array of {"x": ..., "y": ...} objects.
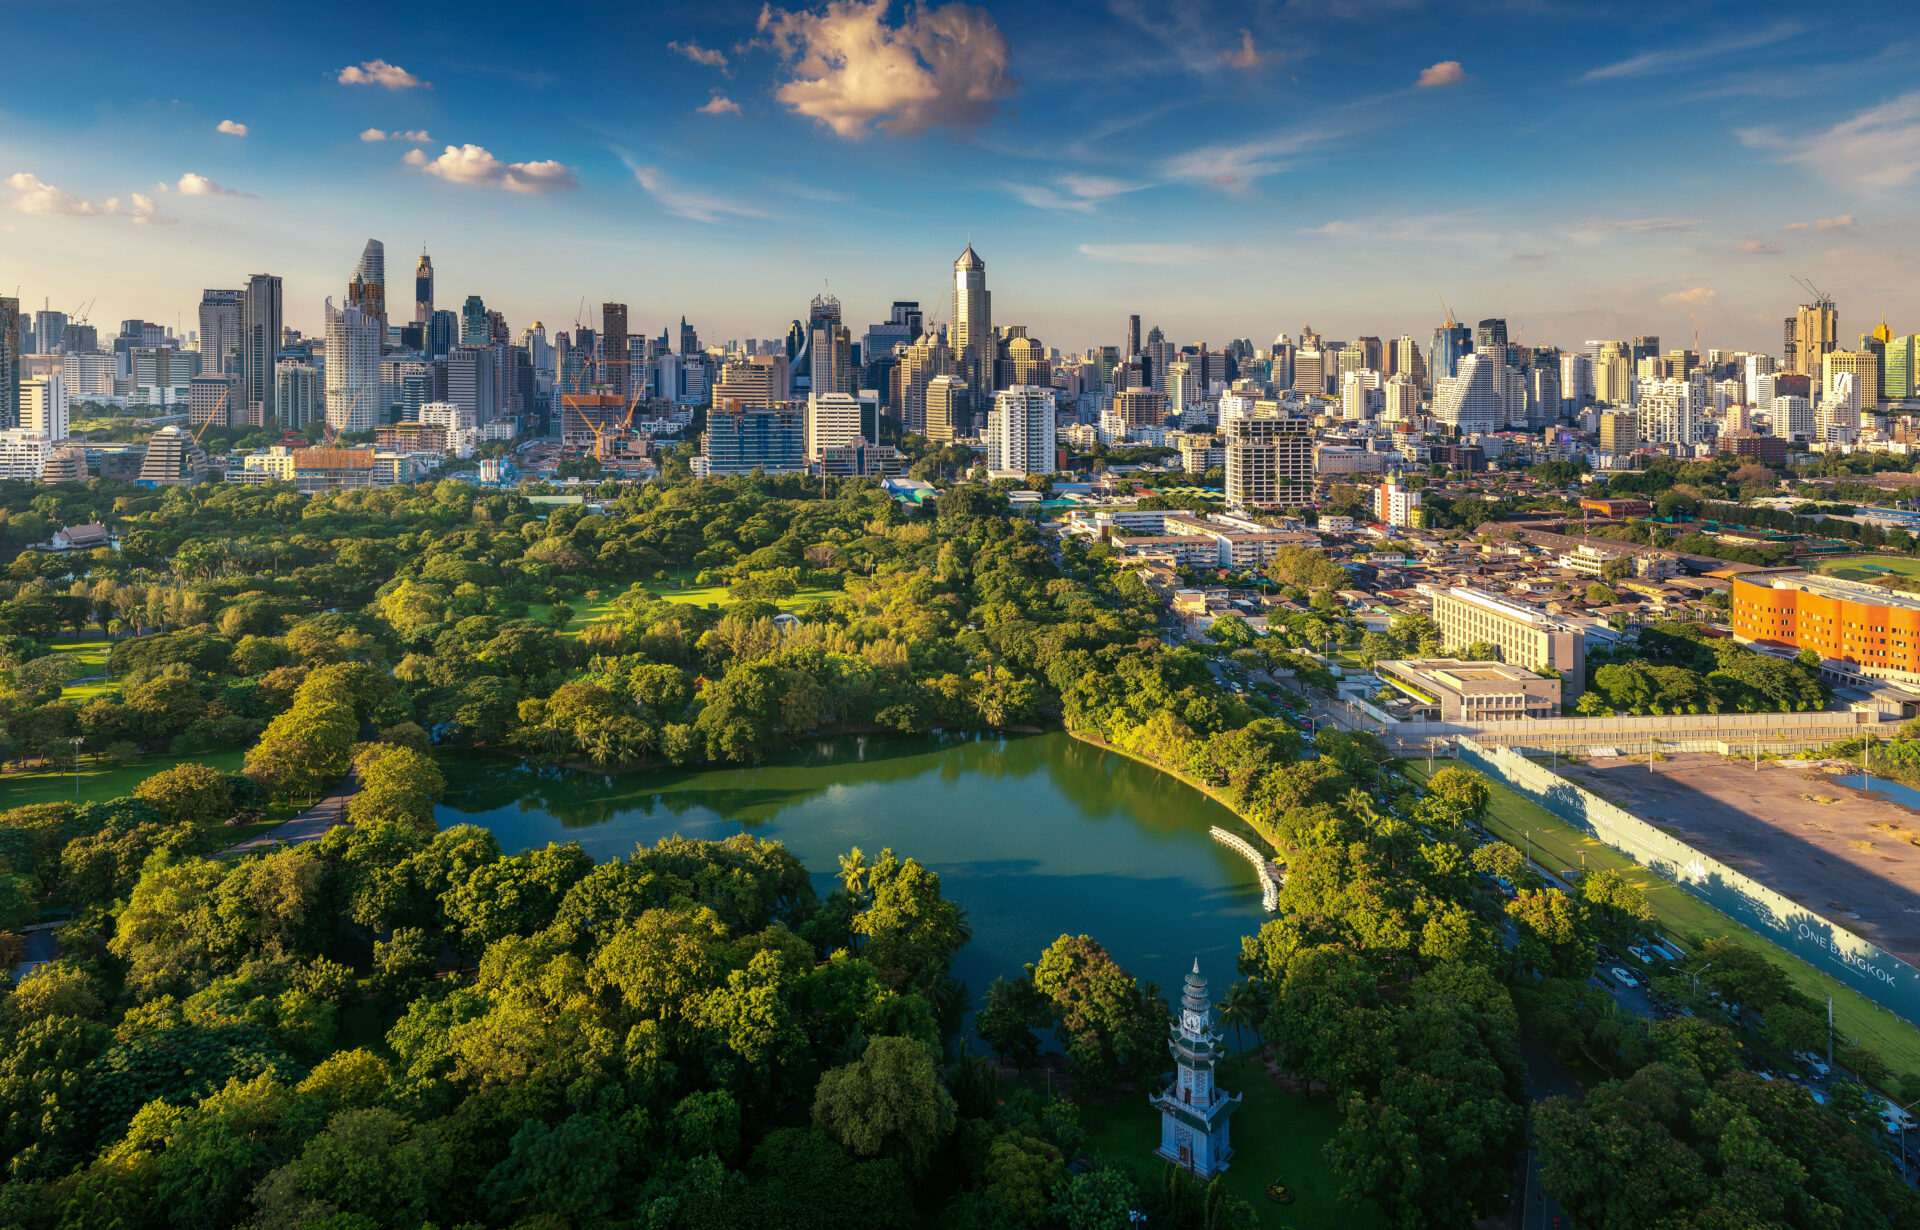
[
  {"x": 1395, "y": 504},
  {"x": 740, "y": 440},
  {"x": 1140, "y": 408},
  {"x": 9, "y": 362},
  {"x": 1484, "y": 397},
  {"x": 1619, "y": 432},
  {"x": 973, "y": 341},
  {"x": 924, "y": 361},
  {"x": 260, "y": 326},
  {"x": 1406, "y": 360},
  {"x": 220, "y": 312},
  {"x": 355, "y": 400},
  {"x": 832, "y": 419},
  {"x": 1864, "y": 366},
  {"x": 89, "y": 374},
  {"x": 1020, "y": 431},
  {"x": 1269, "y": 457},
  {"x": 947, "y": 414},
  {"x": 367, "y": 289},
  {"x": 1674, "y": 411},
  {"x": 43, "y": 406},
  {"x": 616, "y": 372},
  {"x": 299, "y": 395},
  {"x": 1401, "y": 403},
  {"x": 1902, "y": 367},
  {"x": 1816, "y": 334},
  {"x": 423, "y": 289}
]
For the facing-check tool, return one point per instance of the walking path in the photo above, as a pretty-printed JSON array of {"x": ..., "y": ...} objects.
[
  {"x": 309, "y": 825},
  {"x": 1269, "y": 875}
]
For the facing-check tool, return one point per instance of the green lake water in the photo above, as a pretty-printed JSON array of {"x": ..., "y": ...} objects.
[{"x": 1035, "y": 835}]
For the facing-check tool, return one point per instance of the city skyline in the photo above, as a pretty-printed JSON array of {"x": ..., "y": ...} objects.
[{"x": 1224, "y": 172}]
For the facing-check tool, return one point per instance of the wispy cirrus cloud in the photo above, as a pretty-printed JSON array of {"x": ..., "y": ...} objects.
[
  {"x": 475, "y": 165},
  {"x": 1870, "y": 151},
  {"x": 1154, "y": 253},
  {"x": 702, "y": 55},
  {"x": 851, "y": 71},
  {"x": 1756, "y": 247},
  {"x": 1674, "y": 59},
  {"x": 1460, "y": 226},
  {"x": 1839, "y": 222},
  {"x": 1234, "y": 165},
  {"x": 1246, "y": 55},
  {"x": 690, "y": 203},
  {"x": 381, "y": 73},
  {"x": 1591, "y": 229},
  {"x": 1072, "y": 193},
  {"x": 32, "y": 195}
]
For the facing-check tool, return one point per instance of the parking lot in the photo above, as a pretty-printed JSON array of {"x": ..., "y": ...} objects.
[{"x": 1848, "y": 855}]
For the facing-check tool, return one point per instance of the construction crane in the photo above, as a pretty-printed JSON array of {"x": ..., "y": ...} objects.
[
  {"x": 1821, "y": 299},
  {"x": 1449, "y": 311}
]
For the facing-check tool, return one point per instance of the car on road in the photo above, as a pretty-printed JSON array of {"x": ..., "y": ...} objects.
[
  {"x": 1623, "y": 976},
  {"x": 1814, "y": 1064}
]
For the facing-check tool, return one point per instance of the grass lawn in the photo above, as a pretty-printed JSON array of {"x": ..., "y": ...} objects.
[
  {"x": 90, "y": 654},
  {"x": 585, "y": 612},
  {"x": 1864, "y": 567},
  {"x": 97, "y": 783},
  {"x": 1557, "y": 844},
  {"x": 1275, "y": 1135}
]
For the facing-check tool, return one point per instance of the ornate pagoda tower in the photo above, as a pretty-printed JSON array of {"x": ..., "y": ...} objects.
[{"x": 1193, "y": 1111}]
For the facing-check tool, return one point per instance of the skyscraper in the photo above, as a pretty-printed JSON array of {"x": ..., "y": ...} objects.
[
  {"x": 613, "y": 348},
  {"x": 1816, "y": 334},
  {"x": 1133, "y": 334},
  {"x": 1492, "y": 332},
  {"x": 1020, "y": 436},
  {"x": 423, "y": 289},
  {"x": 829, "y": 347},
  {"x": 443, "y": 334},
  {"x": 474, "y": 327},
  {"x": 690, "y": 339},
  {"x": 1452, "y": 342},
  {"x": 1406, "y": 360},
  {"x": 49, "y": 328},
  {"x": 9, "y": 363},
  {"x": 260, "y": 321},
  {"x": 973, "y": 344},
  {"x": 367, "y": 289},
  {"x": 354, "y": 400},
  {"x": 220, "y": 312}
]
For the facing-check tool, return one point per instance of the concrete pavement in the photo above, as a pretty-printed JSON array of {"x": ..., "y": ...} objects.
[{"x": 309, "y": 825}]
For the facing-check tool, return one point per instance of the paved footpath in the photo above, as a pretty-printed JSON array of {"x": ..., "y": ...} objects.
[{"x": 309, "y": 825}]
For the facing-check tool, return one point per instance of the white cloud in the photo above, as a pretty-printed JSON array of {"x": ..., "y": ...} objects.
[
  {"x": 1461, "y": 226},
  {"x": 1152, "y": 253},
  {"x": 689, "y": 203},
  {"x": 1840, "y": 222},
  {"x": 1694, "y": 297},
  {"x": 1754, "y": 247},
  {"x": 232, "y": 128},
  {"x": 719, "y": 104},
  {"x": 1073, "y": 193},
  {"x": 1245, "y": 55},
  {"x": 1446, "y": 72},
  {"x": 398, "y": 134},
  {"x": 702, "y": 55},
  {"x": 32, "y": 195},
  {"x": 199, "y": 185},
  {"x": 1233, "y": 164},
  {"x": 1593, "y": 227},
  {"x": 473, "y": 164},
  {"x": 1877, "y": 149},
  {"x": 1673, "y": 59},
  {"x": 940, "y": 67},
  {"x": 379, "y": 72}
]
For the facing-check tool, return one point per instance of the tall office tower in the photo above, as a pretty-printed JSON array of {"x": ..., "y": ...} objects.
[
  {"x": 43, "y": 406},
  {"x": 1792, "y": 417},
  {"x": 1140, "y": 408},
  {"x": 1361, "y": 395},
  {"x": 1646, "y": 346},
  {"x": 443, "y": 334},
  {"x": 1576, "y": 381},
  {"x": 1543, "y": 394},
  {"x": 497, "y": 332},
  {"x": 1402, "y": 401},
  {"x": 1452, "y": 342},
  {"x": 1903, "y": 367},
  {"x": 1492, "y": 332},
  {"x": 9, "y": 363},
  {"x": 260, "y": 325},
  {"x": 616, "y": 372},
  {"x": 973, "y": 346},
  {"x": 1407, "y": 360},
  {"x": 907, "y": 312},
  {"x": 474, "y": 327},
  {"x": 1373, "y": 356},
  {"x": 1182, "y": 390},
  {"x": 423, "y": 289},
  {"x": 473, "y": 382},
  {"x": 354, "y": 398},
  {"x": 924, "y": 361},
  {"x": 690, "y": 338},
  {"x": 49, "y": 330},
  {"x": 946, "y": 408},
  {"x": 1310, "y": 372},
  {"x": 220, "y": 312},
  {"x": 1756, "y": 366},
  {"x": 367, "y": 289},
  {"x": 877, "y": 348},
  {"x": 1877, "y": 341},
  {"x": 1864, "y": 366},
  {"x": 1020, "y": 435},
  {"x": 833, "y": 419},
  {"x": 1027, "y": 362},
  {"x": 1816, "y": 334},
  {"x": 829, "y": 348},
  {"x": 300, "y": 394},
  {"x": 1133, "y": 333}
]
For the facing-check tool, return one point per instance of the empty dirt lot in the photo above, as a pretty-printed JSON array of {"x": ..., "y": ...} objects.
[{"x": 1848, "y": 855}]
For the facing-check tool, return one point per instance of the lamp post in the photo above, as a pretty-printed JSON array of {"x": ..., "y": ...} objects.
[
  {"x": 1696, "y": 976},
  {"x": 77, "y": 740}
]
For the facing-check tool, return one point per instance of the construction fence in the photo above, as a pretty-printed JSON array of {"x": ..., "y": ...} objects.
[
  {"x": 1731, "y": 734},
  {"x": 1881, "y": 977}
]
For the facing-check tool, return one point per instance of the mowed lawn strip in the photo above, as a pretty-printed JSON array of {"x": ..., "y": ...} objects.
[
  {"x": 98, "y": 783},
  {"x": 1556, "y": 844}
]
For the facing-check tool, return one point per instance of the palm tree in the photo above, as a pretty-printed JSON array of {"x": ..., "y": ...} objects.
[{"x": 1242, "y": 1007}]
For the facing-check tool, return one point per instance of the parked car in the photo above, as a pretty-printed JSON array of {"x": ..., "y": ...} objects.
[
  {"x": 1814, "y": 1064},
  {"x": 1639, "y": 954},
  {"x": 1621, "y": 975}
]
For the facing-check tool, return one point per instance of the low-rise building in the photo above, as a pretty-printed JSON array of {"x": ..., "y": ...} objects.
[
  {"x": 1523, "y": 634},
  {"x": 1459, "y": 691}
]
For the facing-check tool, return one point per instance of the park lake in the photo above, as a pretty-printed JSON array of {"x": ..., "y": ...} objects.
[{"x": 1035, "y": 835}]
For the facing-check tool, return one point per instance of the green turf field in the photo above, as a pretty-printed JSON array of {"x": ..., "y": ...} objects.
[
  {"x": 1276, "y": 1136},
  {"x": 585, "y": 612},
  {"x": 1870, "y": 567},
  {"x": 1555, "y": 844}
]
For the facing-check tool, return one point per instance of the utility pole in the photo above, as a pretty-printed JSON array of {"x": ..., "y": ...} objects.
[
  {"x": 1829, "y": 1033},
  {"x": 77, "y": 740}
]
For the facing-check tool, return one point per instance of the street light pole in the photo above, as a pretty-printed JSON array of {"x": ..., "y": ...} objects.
[
  {"x": 77, "y": 740},
  {"x": 1696, "y": 976}
]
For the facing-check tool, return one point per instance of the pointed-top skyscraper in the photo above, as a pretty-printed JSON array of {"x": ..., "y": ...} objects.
[
  {"x": 423, "y": 289},
  {"x": 368, "y": 288},
  {"x": 973, "y": 343}
]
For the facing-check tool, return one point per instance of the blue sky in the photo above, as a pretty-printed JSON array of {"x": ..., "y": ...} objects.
[{"x": 1223, "y": 170}]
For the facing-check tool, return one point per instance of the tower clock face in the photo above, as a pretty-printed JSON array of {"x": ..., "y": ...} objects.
[{"x": 1190, "y": 1021}]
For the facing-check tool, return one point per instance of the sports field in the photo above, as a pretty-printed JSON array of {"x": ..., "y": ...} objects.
[{"x": 1870, "y": 568}]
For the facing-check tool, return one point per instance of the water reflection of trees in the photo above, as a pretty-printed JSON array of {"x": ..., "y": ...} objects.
[{"x": 1100, "y": 785}]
